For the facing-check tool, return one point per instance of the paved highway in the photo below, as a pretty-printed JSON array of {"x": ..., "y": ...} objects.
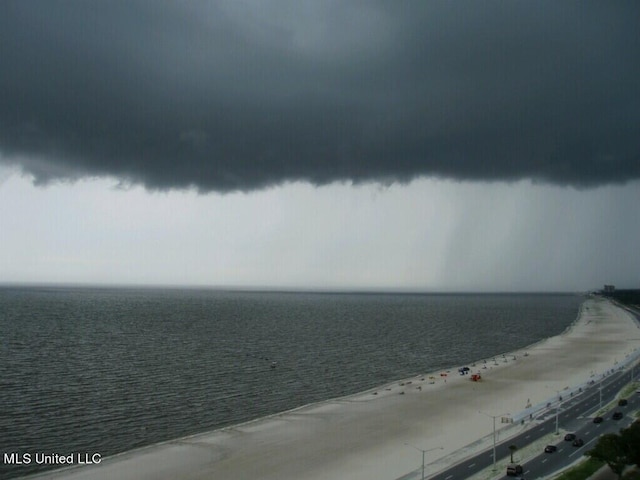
[
  {"x": 575, "y": 414},
  {"x": 583, "y": 427}
]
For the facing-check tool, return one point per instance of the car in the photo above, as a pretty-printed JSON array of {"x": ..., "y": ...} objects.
[
  {"x": 622, "y": 402},
  {"x": 514, "y": 470},
  {"x": 550, "y": 449},
  {"x": 569, "y": 437},
  {"x": 598, "y": 419},
  {"x": 578, "y": 442},
  {"x": 617, "y": 415}
]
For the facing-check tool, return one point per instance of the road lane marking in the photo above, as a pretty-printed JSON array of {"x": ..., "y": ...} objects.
[
  {"x": 572, "y": 454},
  {"x": 472, "y": 465}
]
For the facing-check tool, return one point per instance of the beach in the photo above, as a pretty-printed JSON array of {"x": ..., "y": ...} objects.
[{"x": 378, "y": 434}]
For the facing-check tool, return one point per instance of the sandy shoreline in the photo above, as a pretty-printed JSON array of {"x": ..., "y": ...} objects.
[{"x": 376, "y": 434}]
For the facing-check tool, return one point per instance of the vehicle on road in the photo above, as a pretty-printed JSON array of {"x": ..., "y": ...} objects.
[
  {"x": 550, "y": 449},
  {"x": 598, "y": 419},
  {"x": 622, "y": 402},
  {"x": 569, "y": 437},
  {"x": 514, "y": 470},
  {"x": 578, "y": 442},
  {"x": 617, "y": 415}
]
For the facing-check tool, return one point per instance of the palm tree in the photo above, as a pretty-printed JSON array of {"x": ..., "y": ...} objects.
[{"x": 512, "y": 448}]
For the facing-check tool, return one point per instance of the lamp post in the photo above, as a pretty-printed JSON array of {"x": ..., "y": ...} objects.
[
  {"x": 558, "y": 410},
  {"x": 494, "y": 434},
  {"x": 559, "y": 400},
  {"x": 600, "y": 385},
  {"x": 557, "y": 413},
  {"x": 423, "y": 452}
]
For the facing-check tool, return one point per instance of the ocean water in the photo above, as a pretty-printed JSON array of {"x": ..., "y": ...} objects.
[{"x": 111, "y": 369}]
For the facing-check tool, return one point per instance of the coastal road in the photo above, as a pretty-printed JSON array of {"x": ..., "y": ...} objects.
[
  {"x": 575, "y": 414},
  {"x": 584, "y": 428}
]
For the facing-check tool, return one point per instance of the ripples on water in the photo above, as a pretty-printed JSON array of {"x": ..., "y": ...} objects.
[{"x": 108, "y": 370}]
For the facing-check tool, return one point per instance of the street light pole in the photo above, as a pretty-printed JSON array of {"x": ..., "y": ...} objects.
[
  {"x": 600, "y": 394},
  {"x": 423, "y": 452},
  {"x": 557, "y": 411},
  {"x": 494, "y": 434}
]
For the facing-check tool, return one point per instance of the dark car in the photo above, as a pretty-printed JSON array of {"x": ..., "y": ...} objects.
[
  {"x": 578, "y": 442},
  {"x": 598, "y": 419},
  {"x": 617, "y": 415},
  {"x": 550, "y": 449},
  {"x": 569, "y": 437},
  {"x": 622, "y": 402}
]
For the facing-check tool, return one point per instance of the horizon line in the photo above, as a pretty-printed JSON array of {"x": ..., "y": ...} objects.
[{"x": 285, "y": 289}]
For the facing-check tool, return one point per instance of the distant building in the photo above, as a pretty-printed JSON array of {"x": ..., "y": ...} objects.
[{"x": 609, "y": 289}]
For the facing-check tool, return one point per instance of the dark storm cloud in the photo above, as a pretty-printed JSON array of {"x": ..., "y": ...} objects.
[{"x": 242, "y": 95}]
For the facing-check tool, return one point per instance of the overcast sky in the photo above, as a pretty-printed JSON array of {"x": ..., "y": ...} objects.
[{"x": 452, "y": 145}]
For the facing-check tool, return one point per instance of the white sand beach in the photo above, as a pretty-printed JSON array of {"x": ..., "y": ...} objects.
[{"x": 377, "y": 434}]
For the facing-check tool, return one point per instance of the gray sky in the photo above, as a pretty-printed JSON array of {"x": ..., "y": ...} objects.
[{"x": 422, "y": 145}]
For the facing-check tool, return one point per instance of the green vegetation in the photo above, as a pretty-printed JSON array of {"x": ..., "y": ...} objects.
[
  {"x": 628, "y": 297},
  {"x": 581, "y": 471},
  {"x": 619, "y": 450},
  {"x": 629, "y": 389}
]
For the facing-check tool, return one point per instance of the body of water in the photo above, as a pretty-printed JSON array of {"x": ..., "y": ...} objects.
[{"x": 111, "y": 369}]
